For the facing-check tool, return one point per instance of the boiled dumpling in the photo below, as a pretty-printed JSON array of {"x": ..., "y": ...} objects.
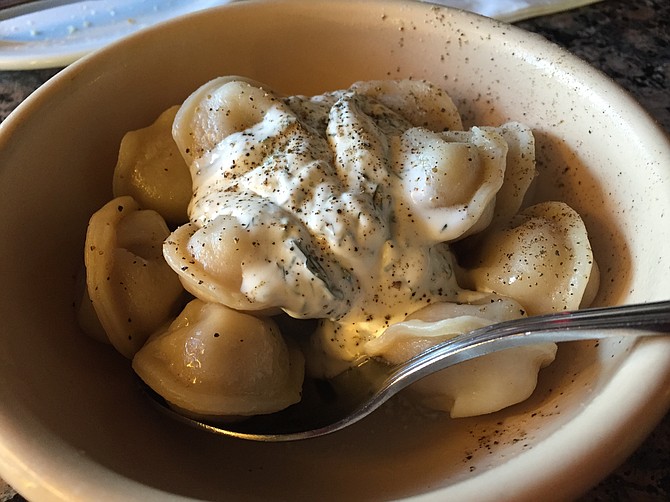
[
  {"x": 449, "y": 181},
  {"x": 271, "y": 264},
  {"x": 219, "y": 108},
  {"x": 519, "y": 168},
  {"x": 150, "y": 168},
  {"x": 215, "y": 361},
  {"x": 313, "y": 110},
  {"x": 421, "y": 102},
  {"x": 475, "y": 387},
  {"x": 359, "y": 132},
  {"x": 542, "y": 258},
  {"x": 131, "y": 288}
]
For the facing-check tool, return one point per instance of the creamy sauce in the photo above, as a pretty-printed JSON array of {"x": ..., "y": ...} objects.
[{"x": 342, "y": 196}]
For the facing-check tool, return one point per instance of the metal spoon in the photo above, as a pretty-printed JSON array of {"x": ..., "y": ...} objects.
[{"x": 328, "y": 406}]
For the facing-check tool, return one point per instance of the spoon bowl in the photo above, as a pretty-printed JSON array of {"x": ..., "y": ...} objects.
[{"x": 331, "y": 405}]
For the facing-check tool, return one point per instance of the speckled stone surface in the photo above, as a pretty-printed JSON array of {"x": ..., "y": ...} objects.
[{"x": 628, "y": 41}]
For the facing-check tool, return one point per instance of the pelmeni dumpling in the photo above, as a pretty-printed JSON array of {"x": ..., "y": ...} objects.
[
  {"x": 217, "y": 109},
  {"x": 313, "y": 110},
  {"x": 150, "y": 168},
  {"x": 475, "y": 387},
  {"x": 271, "y": 264},
  {"x": 542, "y": 258},
  {"x": 450, "y": 180},
  {"x": 519, "y": 168},
  {"x": 421, "y": 102},
  {"x": 215, "y": 361},
  {"x": 132, "y": 289}
]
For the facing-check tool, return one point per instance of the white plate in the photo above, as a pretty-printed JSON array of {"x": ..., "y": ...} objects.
[{"x": 58, "y": 36}]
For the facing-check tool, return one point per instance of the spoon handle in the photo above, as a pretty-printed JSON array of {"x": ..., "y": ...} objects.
[{"x": 585, "y": 324}]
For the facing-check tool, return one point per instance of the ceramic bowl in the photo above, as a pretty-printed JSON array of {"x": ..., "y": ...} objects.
[{"x": 73, "y": 424}]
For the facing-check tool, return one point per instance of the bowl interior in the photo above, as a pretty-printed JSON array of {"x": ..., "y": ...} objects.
[{"x": 73, "y": 423}]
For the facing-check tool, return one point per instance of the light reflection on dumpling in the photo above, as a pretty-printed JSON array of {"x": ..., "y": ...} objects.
[
  {"x": 132, "y": 289},
  {"x": 216, "y": 361},
  {"x": 150, "y": 168},
  {"x": 475, "y": 387}
]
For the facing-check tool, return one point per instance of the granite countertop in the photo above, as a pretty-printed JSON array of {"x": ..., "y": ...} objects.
[{"x": 628, "y": 41}]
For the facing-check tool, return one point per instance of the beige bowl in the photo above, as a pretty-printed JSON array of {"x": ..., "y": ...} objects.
[{"x": 73, "y": 424}]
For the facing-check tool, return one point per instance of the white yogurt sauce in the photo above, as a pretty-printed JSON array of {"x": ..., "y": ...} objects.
[{"x": 340, "y": 196}]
